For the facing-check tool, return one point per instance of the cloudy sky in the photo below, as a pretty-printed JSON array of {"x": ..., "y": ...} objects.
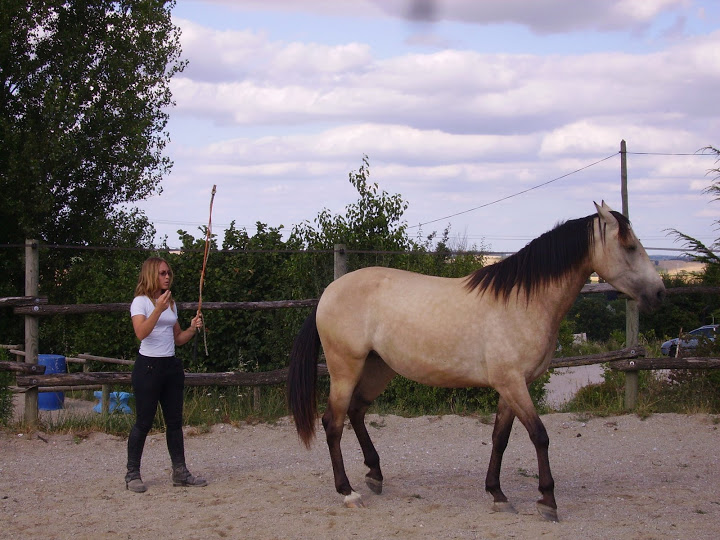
[{"x": 475, "y": 112}]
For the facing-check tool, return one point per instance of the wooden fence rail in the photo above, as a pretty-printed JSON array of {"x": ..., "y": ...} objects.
[
  {"x": 228, "y": 378},
  {"x": 76, "y": 309},
  {"x": 631, "y": 358}
]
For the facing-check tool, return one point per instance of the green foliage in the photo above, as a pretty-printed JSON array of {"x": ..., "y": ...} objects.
[
  {"x": 253, "y": 269},
  {"x": 85, "y": 92},
  {"x": 84, "y": 106},
  {"x": 596, "y": 316},
  {"x": 683, "y": 392},
  {"x": 404, "y": 396},
  {"x": 565, "y": 337}
]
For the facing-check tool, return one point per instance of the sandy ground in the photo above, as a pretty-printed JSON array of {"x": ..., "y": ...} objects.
[{"x": 616, "y": 477}]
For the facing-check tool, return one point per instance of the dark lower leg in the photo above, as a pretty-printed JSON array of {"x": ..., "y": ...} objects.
[
  {"x": 356, "y": 413},
  {"x": 501, "y": 434},
  {"x": 333, "y": 435},
  {"x": 176, "y": 446},
  {"x": 146, "y": 389},
  {"x": 171, "y": 401},
  {"x": 135, "y": 446},
  {"x": 546, "y": 485}
]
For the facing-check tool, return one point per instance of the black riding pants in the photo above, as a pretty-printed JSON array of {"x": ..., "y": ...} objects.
[{"x": 157, "y": 380}]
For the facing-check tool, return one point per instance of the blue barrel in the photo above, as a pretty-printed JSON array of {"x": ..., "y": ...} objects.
[{"x": 54, "y": 363}]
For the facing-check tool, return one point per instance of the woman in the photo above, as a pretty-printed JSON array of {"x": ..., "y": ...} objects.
[{"x": 158, "y": 376}]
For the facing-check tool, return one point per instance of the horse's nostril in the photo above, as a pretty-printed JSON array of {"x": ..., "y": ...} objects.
[{"x": 661, "y": 294}]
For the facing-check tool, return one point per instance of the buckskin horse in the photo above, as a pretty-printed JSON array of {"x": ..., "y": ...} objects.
[{"x": 377, "y": 322}]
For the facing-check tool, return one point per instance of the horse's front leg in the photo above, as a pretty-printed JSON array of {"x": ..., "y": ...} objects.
[
  {"x": 538, "y": 435},
  {"x": 501, "y": 433},
  {"x": 518, "y": 398}
]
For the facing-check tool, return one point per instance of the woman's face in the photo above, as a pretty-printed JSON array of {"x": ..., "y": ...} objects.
[{"x": 164, "y": 277}]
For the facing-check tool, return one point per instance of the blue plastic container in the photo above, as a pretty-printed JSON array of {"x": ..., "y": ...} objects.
[
  {"x": 118, "y": 402},
  {"x": 54, "y": 363}
]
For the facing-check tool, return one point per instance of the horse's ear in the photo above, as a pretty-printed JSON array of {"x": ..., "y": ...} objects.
[{"x": 605, "y": 213}]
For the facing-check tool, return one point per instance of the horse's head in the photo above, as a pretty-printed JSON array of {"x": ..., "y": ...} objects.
[{"x": 619, "y": 258}]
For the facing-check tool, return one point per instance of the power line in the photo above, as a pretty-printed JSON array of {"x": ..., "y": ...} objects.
[
  {"x": 516, "y": 194},
  {"x": 669, "y": 154}
]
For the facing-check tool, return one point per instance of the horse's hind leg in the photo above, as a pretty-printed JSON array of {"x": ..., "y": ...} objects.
[
  {"x": 374, "y": 477},
  {"x": 333, "y": 421},
  {"x": 376, "y": 376},
  {"x": 501, "y": 434},
  {"x": 345, "y": 373}
]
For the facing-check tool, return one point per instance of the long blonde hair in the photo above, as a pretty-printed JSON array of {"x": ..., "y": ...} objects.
[{"x": 148, "y": 280}]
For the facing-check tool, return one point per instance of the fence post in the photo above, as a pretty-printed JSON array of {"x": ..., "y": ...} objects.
[
  {"x": 32, "y": 269},
  {"x": 340, "y": 260},
  {"x": 632, "y": 313},
  {"x": 105, "y": 407}
]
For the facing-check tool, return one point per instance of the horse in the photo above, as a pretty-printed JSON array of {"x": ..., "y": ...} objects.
[{"x": 496, "y": 327}]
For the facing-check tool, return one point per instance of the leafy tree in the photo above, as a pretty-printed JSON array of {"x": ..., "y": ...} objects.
[
  {"x": 83, "y": 110},
  {"x": 85, "y": 91}
]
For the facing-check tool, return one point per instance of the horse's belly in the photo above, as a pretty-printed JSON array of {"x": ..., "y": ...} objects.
[{"x": 446, "y": 370}]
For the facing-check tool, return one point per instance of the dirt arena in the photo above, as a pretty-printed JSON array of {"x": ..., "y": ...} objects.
[{"x": 616, "y": 477}]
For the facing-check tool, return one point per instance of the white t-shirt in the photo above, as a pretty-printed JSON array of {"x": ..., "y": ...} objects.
[{"x": 161, "y": 341}]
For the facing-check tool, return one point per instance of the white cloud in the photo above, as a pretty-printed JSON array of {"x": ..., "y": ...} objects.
[
  {"x": 541, "y": 16},
  {"x": 454, "y": 91},
  {"x": 603, "y": 136}
]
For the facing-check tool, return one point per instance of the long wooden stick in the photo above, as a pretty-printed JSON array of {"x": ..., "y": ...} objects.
[{"x": 208, "y": 236}]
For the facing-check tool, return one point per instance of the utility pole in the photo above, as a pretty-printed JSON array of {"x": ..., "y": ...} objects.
[{"x": 632, "y": 313}]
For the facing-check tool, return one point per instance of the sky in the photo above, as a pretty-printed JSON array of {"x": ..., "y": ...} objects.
[{"x": 495, "y": 118}]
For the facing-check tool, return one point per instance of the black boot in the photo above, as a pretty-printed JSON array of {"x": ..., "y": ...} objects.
[
  {"x": 180, "y": 474},
  {"x": 133, "y": 482},
  {"x": 182, "y": 477},
  {"x": 136, "y": 443}
]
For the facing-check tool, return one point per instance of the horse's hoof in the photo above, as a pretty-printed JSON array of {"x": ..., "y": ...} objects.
[
  {"x": 374, "y": 485},
  {"x": 505, "y": 506},
  {"x": 354, "y": 500},
  {"x": 549, "y": 514}
]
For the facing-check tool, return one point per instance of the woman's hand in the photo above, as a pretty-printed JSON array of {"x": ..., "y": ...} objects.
[
  {"x": 163, "y": 301},
  {"x": 183, "y": 336},
  {"x": 197, "y": 322}
]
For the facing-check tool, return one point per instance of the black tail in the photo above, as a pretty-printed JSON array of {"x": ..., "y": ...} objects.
[{"x": 302, "y": 379}]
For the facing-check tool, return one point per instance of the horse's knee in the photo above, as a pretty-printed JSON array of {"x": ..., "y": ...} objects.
[
  {"x": 539, "y": 435},
  {"x": 326, "y": 419}
]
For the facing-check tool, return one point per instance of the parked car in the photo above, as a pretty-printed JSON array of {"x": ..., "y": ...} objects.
[{"x": 689, "y": 340}]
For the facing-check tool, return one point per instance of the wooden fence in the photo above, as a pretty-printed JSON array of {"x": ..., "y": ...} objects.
[{"x": 31, "y": 378}]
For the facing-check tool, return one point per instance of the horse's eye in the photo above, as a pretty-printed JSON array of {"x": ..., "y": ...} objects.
[{"x": 632, "y": 248}]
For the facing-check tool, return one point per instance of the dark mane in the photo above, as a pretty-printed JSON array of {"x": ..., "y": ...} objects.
[{"x": 544, "y": 260}]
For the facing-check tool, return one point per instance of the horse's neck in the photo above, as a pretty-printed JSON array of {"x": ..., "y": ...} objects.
[{"x": 560, "y": 296}]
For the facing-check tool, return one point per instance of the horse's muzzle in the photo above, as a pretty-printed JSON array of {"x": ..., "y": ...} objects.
[{"x": 651, "y": 302}]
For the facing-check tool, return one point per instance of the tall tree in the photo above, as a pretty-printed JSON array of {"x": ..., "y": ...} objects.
[
  {"x": 85, "y": 92},
  {"x": 84, "y": 99}
]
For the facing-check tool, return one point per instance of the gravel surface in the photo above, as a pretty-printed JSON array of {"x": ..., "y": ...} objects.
[{"x": 616, "y": 477}]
